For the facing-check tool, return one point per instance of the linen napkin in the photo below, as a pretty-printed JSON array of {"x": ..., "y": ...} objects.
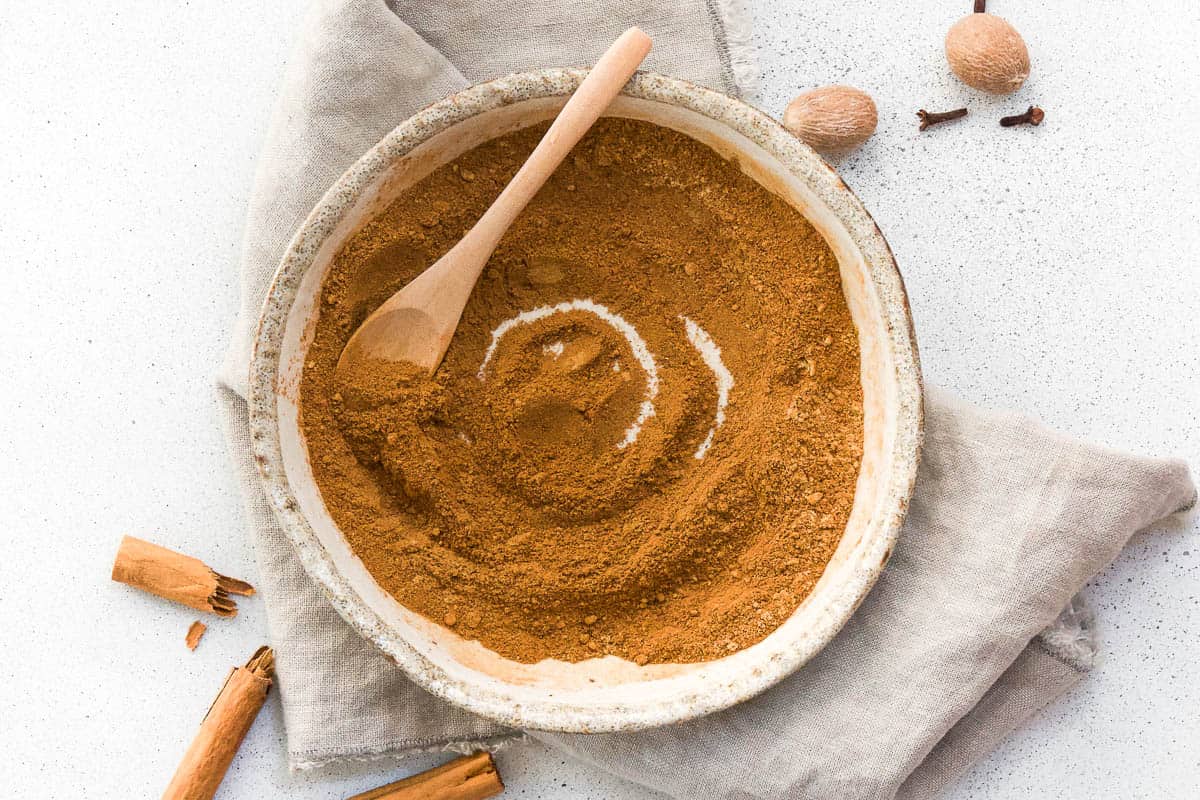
[{"x": 972, "y": 627}]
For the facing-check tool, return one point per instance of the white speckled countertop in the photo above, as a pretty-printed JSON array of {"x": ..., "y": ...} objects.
[{"x": 1053, "y": 270}]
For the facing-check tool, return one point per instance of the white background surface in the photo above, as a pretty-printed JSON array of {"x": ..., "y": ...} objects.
[{"x": 1052, "y": 270}]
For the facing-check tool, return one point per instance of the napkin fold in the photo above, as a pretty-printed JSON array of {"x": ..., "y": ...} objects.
[{"x": 971, "y": 628}]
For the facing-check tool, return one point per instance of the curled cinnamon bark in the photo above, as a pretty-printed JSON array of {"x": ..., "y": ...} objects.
[
  {"x": 471, "y": 777},
  {"x": 221, "y": 731},
  {"x": 177, "y": 577}
]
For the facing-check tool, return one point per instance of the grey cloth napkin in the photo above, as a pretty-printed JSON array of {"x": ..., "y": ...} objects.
[{"x": 963, "y": 638}]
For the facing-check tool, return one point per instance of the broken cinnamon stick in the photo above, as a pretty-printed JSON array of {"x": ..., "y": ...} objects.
[
  {"x": 471, "y": 777},
  {"x": 223, "y": 728},
  {"x": 195, "y": 632},
  {"x": 177, "y": 577}
]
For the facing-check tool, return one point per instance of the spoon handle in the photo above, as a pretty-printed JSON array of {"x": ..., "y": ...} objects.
[
  {"x": 601, "y": 86},
  {"x": 417, "y": 323}
]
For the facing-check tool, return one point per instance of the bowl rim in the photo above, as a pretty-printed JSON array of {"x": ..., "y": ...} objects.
[{"x": 555, "y": 714}]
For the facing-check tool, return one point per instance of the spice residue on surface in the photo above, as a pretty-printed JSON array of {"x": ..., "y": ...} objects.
[{"x": 645, "y": 437}]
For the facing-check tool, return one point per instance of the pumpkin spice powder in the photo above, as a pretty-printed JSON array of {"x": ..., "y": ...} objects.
[{"x": 524, "y": 496}]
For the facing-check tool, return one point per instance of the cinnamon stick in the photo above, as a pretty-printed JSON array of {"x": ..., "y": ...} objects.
[
  {"x": 223, "y": 728},
  {"x": 471, "y": 777},
  {"x": 177, "y": 577}
]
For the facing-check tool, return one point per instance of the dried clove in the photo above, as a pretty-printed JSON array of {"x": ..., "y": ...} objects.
[
  {"x": 1033, "y": 116},
  {"x": 935, "y": 117},
  {"x": 980, "y": 6}
]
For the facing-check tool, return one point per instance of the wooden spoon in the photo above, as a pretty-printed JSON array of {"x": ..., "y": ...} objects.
[{"x": 417, "y": 323}]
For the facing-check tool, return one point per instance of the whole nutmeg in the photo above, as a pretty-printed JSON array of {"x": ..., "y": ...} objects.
[
  {"x": 832, "y": 118},
  {"x": 987, "y": 53}
]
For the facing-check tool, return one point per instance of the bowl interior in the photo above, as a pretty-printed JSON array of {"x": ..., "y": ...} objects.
[{"x": 609, "y": 693}]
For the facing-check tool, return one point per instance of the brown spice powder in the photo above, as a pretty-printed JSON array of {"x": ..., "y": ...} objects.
[{"x": 501, "y": 503}]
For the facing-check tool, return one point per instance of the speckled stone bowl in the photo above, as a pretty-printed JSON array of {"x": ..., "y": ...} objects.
[{"x": 603, "y": 694}]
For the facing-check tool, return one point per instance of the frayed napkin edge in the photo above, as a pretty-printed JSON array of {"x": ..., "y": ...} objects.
[
  {"x": 736, "y": 45},
  {"x": 305, "y": 762}
]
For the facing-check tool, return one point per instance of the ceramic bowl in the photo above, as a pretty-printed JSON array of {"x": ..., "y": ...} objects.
[{"x": 603, "y": 694}]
